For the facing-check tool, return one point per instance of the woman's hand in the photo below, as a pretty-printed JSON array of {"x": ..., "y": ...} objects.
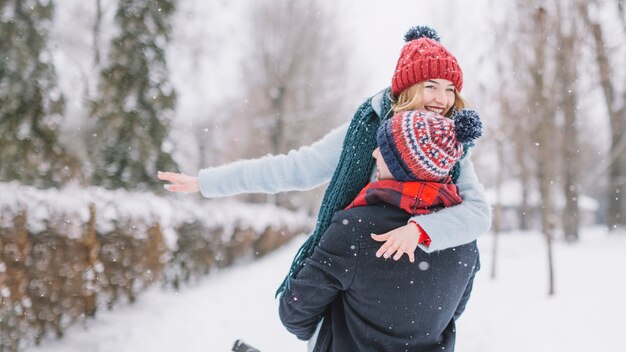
[
  {"x": 179, "y": 182},
  {"x": 402, "y": 240}
]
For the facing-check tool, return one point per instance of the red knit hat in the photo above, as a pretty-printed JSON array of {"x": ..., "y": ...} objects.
[
  {"x": 423, "y": 58},
  {"x": 420, "y": 145}
]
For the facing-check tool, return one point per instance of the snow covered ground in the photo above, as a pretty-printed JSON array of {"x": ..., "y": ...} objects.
[{"x": 512, "y": 313}]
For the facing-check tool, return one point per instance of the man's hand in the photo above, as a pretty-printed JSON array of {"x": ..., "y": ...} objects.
[
  {"x": 179, "y": 182},
  {"x": 402, "y": 240}
]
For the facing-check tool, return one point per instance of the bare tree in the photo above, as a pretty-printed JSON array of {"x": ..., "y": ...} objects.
[
  {"x": 97, "y": 29},
  {"x": 567, "y": 62},
  {"x": 497, "y": 211},
  {"x": 513, "y": 131},
  {"x": 514, "y": 104},
  {"x": 545, "y": 133},
  {"x": 615, "y": 101},
  {"x": 500, "y": 133},
  {"x": 621, "y": 9},
  {"x": 526, "y": 104},
  {"x": 294, "y": 73}
]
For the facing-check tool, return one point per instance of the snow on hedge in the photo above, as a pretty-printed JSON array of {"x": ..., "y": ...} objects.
[{"x": 68, "y": 207}]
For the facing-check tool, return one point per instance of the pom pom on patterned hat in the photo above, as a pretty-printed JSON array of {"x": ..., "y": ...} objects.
[
  {"x": 467, "y": 125},
  {"x": 420, "y": 145}
]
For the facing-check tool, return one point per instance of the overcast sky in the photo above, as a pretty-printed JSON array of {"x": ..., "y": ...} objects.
[{"x": 379, "y": 28}]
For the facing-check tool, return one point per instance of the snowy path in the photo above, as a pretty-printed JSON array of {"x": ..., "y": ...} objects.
[
  {"x": 234, "y": 303},
  {"x": 510, "y": 314}
]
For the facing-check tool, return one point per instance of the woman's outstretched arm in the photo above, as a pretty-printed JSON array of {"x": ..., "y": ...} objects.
[{"x": 301, "y": 169}]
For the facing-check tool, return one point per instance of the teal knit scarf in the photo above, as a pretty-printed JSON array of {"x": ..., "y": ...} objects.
[{"x": 352, "y": 174}]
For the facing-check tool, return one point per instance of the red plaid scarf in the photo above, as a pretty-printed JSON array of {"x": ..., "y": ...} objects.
[{"x": 414, "y": 197}]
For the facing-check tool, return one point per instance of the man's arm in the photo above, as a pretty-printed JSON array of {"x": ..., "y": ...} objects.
[{"x": 327, "y": 272}]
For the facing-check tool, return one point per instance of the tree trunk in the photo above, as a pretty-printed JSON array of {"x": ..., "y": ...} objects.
[
  {"x": 545, "y": 134},
  {"x": 617, "y": 116},
  {"x": 96, "y": 34},
  {"x": 497, "y": 211},
  {"x": 566, "y": 59},
  {"x": 293, "y": 63},
  {"x": 621, "y": 13},
  {"x": 524, "y": 213},
  {"x": 277, "y": 135}
]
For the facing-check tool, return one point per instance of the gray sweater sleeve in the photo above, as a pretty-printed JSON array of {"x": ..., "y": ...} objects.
[
  {"x": 463, "y": 223},
  {"x": 312, "y": 166},
  {"x": 298, "y": 170}
]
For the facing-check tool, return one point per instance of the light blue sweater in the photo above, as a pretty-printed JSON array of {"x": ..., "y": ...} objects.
[{"x": 312, "y": 166}]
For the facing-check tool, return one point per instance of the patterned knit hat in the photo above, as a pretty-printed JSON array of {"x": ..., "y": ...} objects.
[
  {"x": 423, "y": 58},
  {"x": 420, "y": 145}
]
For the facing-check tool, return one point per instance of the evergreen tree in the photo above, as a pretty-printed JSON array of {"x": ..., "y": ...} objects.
[
  {"x": 31, "y": 103},
  {"x": 135, "y": 101}
]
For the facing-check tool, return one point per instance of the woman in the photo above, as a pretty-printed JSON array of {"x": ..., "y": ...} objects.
[{"x": 427, "y": 77}]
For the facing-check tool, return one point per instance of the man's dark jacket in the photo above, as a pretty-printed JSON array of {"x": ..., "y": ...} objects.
[{"x": 376, "y": 304}]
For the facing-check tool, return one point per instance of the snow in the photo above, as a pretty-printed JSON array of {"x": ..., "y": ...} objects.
[
  {"x": 70, "y": 206},
  {"x": 512, "y": 313},
  {"x": 511, "y": 196}
]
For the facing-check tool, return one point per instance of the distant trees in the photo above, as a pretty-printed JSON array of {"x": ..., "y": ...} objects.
[
  {"x": 293, "y": 70},
  {"x": 552, "y": 58},
  {"x": 293, "y": 91},
  {"x": 609, "y": 73},
  {"x": 132, "y": 108},
  {"x": 567, "y": 60},
  {"x": 554, "y": 64},
  {"x": 135, "y": 102},
  {"x": 557, "y": 91},
  {"x": 31, "y": 103},
  {"x": 295, "y": 77}
]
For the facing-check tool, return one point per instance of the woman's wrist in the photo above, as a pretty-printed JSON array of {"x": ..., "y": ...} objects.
[{"x": 424, "y": 239}]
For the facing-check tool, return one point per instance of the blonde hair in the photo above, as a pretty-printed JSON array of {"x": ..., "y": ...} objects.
[{"x": 412, "y": 98}]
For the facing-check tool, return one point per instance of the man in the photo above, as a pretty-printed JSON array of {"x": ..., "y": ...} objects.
[{"x": 368, "y": 304}]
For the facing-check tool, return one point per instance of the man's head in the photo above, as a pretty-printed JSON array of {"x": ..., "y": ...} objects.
[
  {"x": 420, "y": 145},
  {"x": 382, "y": 171}
]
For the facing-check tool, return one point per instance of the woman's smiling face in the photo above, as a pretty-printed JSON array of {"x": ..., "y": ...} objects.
[{"x": 438, "y": 95}]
